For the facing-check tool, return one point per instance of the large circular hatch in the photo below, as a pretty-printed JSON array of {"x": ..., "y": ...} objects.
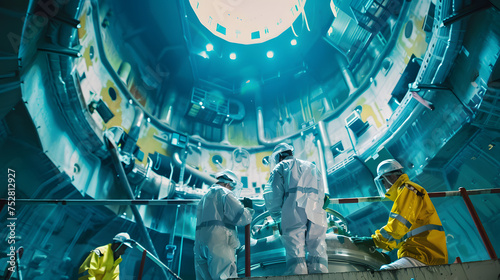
[{"x": 247, "y": 22}]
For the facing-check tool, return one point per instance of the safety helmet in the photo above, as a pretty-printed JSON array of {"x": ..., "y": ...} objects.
[
  {"x": 123, "y": 238},
  {"x": 228, "y": 176},
  {"x": 385, "y": 167}
]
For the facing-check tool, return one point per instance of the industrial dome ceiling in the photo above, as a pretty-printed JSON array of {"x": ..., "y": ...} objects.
[{"x": 247, "y": 22}]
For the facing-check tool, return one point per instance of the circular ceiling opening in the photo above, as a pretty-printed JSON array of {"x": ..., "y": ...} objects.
[{"x": 247, "y": 22}]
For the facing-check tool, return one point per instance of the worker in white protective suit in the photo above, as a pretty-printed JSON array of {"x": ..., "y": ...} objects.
[
  {"x": 219, "y": 212},
  {"x": 296, "y": 187}
]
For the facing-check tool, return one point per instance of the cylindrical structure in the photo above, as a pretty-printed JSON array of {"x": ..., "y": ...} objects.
[
  {"x": 124, "y": 71},
  {"x": 122, "y": 177},
  {"x": 349, "y": 78},
  {"x": 479, "y": 225},
  {"x": 322, "y": 165}
]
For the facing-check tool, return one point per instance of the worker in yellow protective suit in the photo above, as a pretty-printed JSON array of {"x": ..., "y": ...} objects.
[
  {"x": 103, "y": 262},
  {"x": 413, "y": 227}
]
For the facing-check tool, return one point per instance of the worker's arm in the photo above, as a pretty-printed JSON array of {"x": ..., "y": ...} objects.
[
  {"x": 235, "y": 212},
  {"x": 274, "y": 193},
  {"x": 404, "y": 213},
  {"x": 116, "y": 273},
  {"x": 92, "y": 266}
]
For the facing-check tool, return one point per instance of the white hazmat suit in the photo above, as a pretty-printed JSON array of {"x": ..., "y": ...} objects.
[
  {"x": 296, "y": 187},
  {"x": 218, "y": 214}
]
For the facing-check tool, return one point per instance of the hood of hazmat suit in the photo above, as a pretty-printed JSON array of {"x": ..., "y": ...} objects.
[
  {"x": 228, "y": 176},
  {"x": 274, "y": 157}
]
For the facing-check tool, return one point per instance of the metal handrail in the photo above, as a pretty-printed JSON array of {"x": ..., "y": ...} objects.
[
  {"x": 151, "y": 257},
  {"x": 166, "y": 202},
  {"x": 462, "y": 192}
]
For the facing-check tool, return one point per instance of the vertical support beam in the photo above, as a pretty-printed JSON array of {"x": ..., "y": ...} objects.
[
  {"x": 322, "y": 165},
  {"x": 247, "y": 251},
  {"x": 141, "y": 269},
  {"x": 479, "y": 225}
]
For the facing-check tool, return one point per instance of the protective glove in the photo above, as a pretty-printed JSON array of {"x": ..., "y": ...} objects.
[
  {"x": 277, "y": 227},
  {"x": 247, "y": 202},
  {"x": 326, "y": 201},
  {"x": 366, "y": 241}
]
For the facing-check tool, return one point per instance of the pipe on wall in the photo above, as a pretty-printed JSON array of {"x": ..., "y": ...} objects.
[
  {"x": 322, "y": 165},
  {"x": 122, "y": 176},
  {"x": 275, "y": 141},
  {"x": 352, "y": 95},
  {"x": 349, "y": 79},
  {"x": 135, "y": 130},
  {"x": 206, "y": 178}
]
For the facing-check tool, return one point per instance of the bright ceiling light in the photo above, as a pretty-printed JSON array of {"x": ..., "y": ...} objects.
[
  {"x": 293, "y": 42},
  {"x": 270, "y": 54},
  {"x": 232, "y": 56},
  {"x": 204, "y": 54},
  {"x": 210, "y": 47}
]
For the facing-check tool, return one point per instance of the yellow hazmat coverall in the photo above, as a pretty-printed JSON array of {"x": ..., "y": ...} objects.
[
  {"x": 101, "y": 265},
  {"x": 414, "y": 226}
]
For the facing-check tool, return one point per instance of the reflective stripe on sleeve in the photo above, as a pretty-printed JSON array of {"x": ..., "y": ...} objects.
[
  {"x": 296, "y": 261},
  {"x": 302, "y": 190},
  {"x": 238, "y": 216},
  {"x": 423, "y": 229},
  {"x": 386, "y": 235},
  {"x": 214, "y": 223},
  {"x": 401, "y": 219}
]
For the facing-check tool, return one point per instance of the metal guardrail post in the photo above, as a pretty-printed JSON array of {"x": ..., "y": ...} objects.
[
  {"x": 479, "y": 225},
  {"x": 141, "y": 269},
  {"x": 247, "y": 251},
  {"x": 152, "y": 257}
]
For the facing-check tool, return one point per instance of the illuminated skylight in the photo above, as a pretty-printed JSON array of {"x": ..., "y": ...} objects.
[{"x": 247, "y": 22}]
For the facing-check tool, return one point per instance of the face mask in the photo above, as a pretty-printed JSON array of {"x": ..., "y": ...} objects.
[
  {"x": 381, "y": 187},
  {"x": 118, "y": 248}
]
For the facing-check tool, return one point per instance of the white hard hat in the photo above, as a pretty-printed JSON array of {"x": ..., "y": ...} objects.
[
  {"x": 387, "y": 166},
  {"x": 383, "y": 168},
  {"x": 124, "y": 238}
]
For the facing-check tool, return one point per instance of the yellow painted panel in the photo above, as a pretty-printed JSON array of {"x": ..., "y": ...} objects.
[
  {"x": 86, "y": 55},
  {"x": 82, "y": 31},
  {"x": 114, "y": 106},
  {"x": 148, "y": 144},
  {"x": 367, "y": 111},
  {"x": 416, "y": 44},
  {"x": 213, "y": 166},
  {"x": 258, "y": 161}
]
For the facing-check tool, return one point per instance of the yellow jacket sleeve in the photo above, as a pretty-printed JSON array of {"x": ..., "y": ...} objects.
[
  {"x": 92, "y": 265},
  {"x": 116, "y": 273},
  {"x": 404, "y": 213}
]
